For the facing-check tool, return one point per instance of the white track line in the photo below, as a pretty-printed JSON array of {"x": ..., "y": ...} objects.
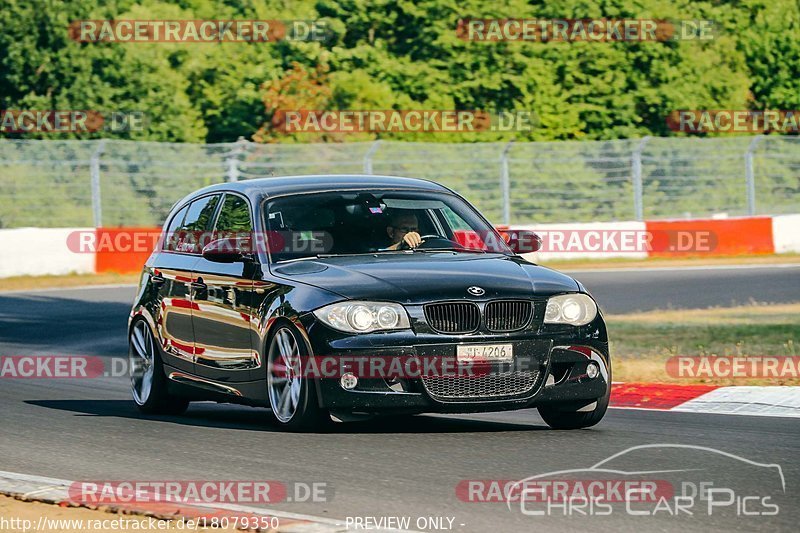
[
  {"x": 780, "y": 401},
  {"x": 678, "y": 411},
  {"x": 33, "y": 486}
]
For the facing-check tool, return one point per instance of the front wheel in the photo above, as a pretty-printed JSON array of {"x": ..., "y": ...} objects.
[
  {"x": 292, "y": 395},
  {"x": 558, "y": 417},
  {"x": 148, "y": 383}
]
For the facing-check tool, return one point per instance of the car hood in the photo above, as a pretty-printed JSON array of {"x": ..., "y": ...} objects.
[{"x": 427, "y": 276}]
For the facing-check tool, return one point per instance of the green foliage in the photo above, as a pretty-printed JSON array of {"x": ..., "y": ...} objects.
[{"x": 402, "y": 54}]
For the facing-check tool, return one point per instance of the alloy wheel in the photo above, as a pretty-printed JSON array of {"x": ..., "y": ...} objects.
[
  {"x": 142, "y": 362},
  {"x": 284, "y": 378}
]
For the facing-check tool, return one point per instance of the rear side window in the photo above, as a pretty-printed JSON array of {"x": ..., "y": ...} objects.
[
  {"x": 170, "y": 237},
  {"x": 193, "y": 233},
  {"x": 234, "y": 217}
]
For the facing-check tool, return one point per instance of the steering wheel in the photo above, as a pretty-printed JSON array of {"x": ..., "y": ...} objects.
[{"x": 443, "y": 242}]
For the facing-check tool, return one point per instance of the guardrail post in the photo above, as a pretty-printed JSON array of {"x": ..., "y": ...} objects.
[
  {"x": 750, "y": 180},
  {"x": 505, "y": 183},
  {"x": 94, "y": 169},
  {"x": 636, "y": 173},
  {"x": 368, "y": 157}
]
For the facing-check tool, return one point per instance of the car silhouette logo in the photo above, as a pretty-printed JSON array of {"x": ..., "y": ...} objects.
[{"x": 476, "y": 291}]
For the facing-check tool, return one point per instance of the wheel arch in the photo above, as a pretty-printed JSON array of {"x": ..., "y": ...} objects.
[
  {"x": 293, "y": 321},
  {"x": 142, "y": 313}
]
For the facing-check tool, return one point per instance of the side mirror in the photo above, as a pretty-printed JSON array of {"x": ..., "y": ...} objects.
[
  {"x": 521, "y": 241},
  {"x": 229, "y": 250}
]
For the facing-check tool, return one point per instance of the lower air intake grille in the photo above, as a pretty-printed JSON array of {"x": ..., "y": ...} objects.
[
  {"x": 497, "y": 384},
  {"x": 453, "y": 317}
]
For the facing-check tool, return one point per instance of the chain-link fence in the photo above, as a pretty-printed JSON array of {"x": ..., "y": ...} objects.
[{"x": 126, "y": 183}]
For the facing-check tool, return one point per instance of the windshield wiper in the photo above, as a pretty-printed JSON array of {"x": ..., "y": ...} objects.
[
  {"x": 354, "y": 254},
  {"x": 407, "y": 251},
  {"x": 292, "y": 260},
  {"x": 463, "y": 250}
]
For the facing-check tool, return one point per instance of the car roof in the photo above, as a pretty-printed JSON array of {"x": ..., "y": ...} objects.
[{"x": 280, "y": 185}]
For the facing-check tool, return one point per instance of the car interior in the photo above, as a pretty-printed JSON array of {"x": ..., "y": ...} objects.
[{"x": 342, "y": 224}]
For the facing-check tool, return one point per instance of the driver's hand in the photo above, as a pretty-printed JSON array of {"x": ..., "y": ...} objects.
[{"x": 412, "y": 239}]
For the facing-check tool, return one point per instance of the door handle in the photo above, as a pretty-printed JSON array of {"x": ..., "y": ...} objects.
[{"x": 199, "y": 289}]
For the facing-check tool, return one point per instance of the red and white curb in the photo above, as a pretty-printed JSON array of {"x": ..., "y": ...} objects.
[
  {"x": 56, "y": 491},
  {"x": 734, "y": 400}
]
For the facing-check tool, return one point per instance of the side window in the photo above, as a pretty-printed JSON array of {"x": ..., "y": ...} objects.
[
  {"x": 192, "y": 235},
  {"x": 455, "y": 221},
  {"x": 234, "y": 218},
  {"x": 170, "y": 238},
  {"x": 462, "y": 231}
]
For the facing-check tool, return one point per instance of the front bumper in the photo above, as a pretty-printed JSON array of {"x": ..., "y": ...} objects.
[{"x": 554, "y": 362}]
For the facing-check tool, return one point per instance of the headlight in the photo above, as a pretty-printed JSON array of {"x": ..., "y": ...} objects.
[
  {"x": 363, "y": 317},
  {"x": 575, "y": 309}
]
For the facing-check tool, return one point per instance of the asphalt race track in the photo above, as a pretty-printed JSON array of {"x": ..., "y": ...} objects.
[
  {"x": 627, "y": 291},
  {"x": 89, "y": 429}
]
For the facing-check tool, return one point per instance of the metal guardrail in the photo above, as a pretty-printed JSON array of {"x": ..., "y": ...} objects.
[{"x": 128, "y": 183}]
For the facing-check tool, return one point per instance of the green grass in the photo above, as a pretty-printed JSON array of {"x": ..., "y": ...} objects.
[
  {"x": 20, "y": 283},
  {"x": 641, "y": 343}
]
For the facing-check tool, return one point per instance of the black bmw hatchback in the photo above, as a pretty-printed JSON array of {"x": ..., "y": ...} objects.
[{"x": 343, "y": 297}]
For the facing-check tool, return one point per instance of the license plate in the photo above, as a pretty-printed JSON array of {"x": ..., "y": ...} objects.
[{"x": 484, "y": 352}]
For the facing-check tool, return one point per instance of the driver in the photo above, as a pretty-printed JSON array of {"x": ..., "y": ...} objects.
[{"x": 403, "y": 228}]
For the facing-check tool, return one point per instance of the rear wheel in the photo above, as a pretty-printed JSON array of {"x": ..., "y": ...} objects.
[
  {"x": 292, "y": 396},
  {"x": 148, "y": 383}
]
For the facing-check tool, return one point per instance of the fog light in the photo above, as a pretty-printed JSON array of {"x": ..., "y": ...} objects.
[
  {"x": 348, "y": 381},
  {"x": 592, "y": 370}
]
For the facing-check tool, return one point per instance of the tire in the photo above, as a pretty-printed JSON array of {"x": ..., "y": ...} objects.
[
  {"x": 148, "y": 382},
  {"x": 557, "y": 417},
  {"x": 292, "y": 396}
]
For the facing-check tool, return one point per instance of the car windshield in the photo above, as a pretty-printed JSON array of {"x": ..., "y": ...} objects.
[{"x": 349, "y": 223}]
